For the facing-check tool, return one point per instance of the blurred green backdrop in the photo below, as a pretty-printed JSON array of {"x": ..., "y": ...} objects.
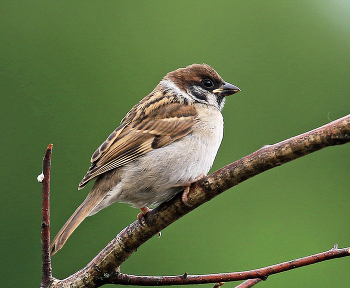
[{"x": 70, "y": 70}]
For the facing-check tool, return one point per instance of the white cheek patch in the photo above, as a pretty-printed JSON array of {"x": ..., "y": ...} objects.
[{"x": 170, "y": 85}]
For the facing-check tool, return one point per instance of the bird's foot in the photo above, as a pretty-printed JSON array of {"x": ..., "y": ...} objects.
[
  {"x": 187, "y": 190},
  {"x": 141, "y": 216}
]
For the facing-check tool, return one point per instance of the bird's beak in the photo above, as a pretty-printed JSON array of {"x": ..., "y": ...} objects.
[{"x": 226, "y": 89}]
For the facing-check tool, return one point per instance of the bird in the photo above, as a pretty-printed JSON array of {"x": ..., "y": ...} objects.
[{"x": 167, "y": 141}]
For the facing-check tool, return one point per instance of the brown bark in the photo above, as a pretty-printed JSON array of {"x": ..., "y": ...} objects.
[{"x": 45, "y": 223}]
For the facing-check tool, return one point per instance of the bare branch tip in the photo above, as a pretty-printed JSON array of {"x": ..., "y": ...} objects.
[
  {"x": 250, "y": 283},
  {"x": 218, "y": 285}
]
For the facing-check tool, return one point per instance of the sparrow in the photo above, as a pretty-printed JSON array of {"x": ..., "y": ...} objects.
[{"x": 164, "y": 143}]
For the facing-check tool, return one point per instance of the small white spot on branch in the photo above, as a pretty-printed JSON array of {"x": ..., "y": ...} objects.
[{"x": 40, "y": 178}]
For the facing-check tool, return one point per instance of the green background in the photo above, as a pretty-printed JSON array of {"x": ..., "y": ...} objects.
[{"x": 69, "y": 72}]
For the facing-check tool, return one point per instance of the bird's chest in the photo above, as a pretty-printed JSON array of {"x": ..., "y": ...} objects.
[
  {"x": 205, "y": 139},
  {"x": 209, "y": 128}
]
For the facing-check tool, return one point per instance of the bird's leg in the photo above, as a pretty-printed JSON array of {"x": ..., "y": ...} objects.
[
  {"x": 143, "y": 213},
  {"x": 184, "y": 197},
  {"x": 187, "y": 190}
]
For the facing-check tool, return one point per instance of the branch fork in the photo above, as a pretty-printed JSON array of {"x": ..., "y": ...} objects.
[{"x": 104, "y": 268}]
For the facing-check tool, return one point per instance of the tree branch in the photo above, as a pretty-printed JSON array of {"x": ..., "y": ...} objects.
[
  {"x": 106, "y": 264},
  {"x": 261, "y": 273},
  {"x": 45, "y": 223}
]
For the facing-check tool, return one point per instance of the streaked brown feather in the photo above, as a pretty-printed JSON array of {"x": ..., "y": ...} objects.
[
  {"x": 135, "y": 138},
  {"x": 105, "y": 145}
]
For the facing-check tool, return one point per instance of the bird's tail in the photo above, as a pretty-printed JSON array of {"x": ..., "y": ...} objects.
[{"x": 92, "y": 200}]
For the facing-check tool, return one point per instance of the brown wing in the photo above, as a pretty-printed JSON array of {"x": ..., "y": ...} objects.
[{"x": 132, "y": 140}]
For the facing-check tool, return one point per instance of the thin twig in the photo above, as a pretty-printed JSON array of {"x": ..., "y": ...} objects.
[
  {"x": 45, "y": 223},
  {"x": 261, "y": 273},
  {"x": 249, "y": 283}
]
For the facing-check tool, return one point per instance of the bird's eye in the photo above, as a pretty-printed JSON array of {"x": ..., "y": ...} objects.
[{"x": 207, "y": 83}]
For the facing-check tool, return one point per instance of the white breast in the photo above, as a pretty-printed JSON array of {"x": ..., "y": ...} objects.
[{"x": 205, "y": 140}]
